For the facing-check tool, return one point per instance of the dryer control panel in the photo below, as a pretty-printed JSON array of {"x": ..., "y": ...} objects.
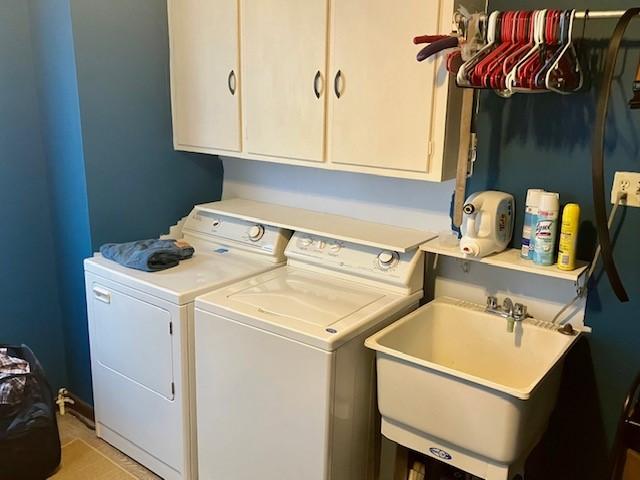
[
  {"x": 252, "y": 236},
  {"x": 397, "y": 269}
]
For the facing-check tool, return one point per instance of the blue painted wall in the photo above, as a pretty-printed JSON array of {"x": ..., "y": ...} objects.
[
  {"x": 136, "y": 184},
  {"x": 545, "y": 141},
  {"x": 29, "y": 309},
  {"x": 85, "y": 157},
  {"x": 60, "y": 119}
]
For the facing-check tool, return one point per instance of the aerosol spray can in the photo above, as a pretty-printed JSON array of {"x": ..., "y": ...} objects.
[{"x": 546, "y": 229}]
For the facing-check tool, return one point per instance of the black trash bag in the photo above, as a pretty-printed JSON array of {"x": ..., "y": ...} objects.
[{"x": 29, "y": 438}]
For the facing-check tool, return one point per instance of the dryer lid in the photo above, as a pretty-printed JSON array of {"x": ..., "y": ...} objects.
[{"x": 192, "y": 277}]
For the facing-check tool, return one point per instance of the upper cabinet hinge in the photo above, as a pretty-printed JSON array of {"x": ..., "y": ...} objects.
[
  {"x": 430, "y": 148},
  {"x": 173, "y": 388},
  {"x": 170, "y": 328}
]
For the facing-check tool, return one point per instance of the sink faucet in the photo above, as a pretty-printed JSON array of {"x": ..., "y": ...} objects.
[{"x": 512, "y": 312}]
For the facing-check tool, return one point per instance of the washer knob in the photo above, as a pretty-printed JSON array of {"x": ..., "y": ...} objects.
[
  {"x": 335, "y": 247},
  {"x": 256, "y": 232},
  {"x": 387, "y": 259},
  {"x": 305, "y": 241}
]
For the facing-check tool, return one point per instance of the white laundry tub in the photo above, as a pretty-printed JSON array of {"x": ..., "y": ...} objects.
[{"x": 455, "y": 384}]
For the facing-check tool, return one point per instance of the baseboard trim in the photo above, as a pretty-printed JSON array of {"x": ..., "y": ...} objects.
[{"x": 81, "y": 407}]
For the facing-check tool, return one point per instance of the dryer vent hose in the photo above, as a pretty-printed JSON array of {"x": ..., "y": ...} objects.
[{"x": 599, "y": 198}]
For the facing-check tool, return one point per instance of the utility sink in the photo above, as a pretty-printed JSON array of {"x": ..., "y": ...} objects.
[{"x": 453, "y": 382}]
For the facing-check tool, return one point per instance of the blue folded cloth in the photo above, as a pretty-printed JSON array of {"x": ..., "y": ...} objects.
[{"x": 148, "y": 255}]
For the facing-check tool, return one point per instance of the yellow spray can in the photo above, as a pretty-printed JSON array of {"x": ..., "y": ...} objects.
[{"x": 569, "y": 237}]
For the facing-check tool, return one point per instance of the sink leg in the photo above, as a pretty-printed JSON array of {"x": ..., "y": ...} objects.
[
  {"x": 495, "y": 472},
  {"x": 517, "y": 470}
]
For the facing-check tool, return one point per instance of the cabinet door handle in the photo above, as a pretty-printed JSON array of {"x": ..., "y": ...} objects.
[
  {"x": 102, "y": 294},
  {"x": 316, "y": 80},
  {"x": 336, "y": 84},
  {"x": 231, "y": 82}
]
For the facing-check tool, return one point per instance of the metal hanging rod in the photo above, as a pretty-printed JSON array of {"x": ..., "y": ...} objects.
[{"x": 600, "y": 14}]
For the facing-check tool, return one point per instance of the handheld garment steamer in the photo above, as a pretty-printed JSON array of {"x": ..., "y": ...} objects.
[{"x": 487, "y": 224}]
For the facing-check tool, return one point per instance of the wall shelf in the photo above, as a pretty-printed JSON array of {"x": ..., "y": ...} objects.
[
  {"x": 509, "y": 259},
  {"x": 318, "y": 223}
]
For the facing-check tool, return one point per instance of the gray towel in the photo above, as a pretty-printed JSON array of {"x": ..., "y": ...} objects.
[{"x": 148, "y": 255}]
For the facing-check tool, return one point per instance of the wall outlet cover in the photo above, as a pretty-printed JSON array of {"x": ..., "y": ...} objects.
[{"x": 628, "y": 183}]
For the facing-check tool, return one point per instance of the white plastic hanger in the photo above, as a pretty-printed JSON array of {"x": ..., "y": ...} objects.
[
  {"x": 569, "y": 46},
  {"x": 462, "y": 78},
  {"x": 538, "y": 35}
]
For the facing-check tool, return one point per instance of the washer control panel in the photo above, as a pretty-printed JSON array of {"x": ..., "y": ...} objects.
[{"x": 370, "y": 262}]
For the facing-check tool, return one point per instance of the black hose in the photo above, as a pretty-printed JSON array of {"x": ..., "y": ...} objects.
[{"x": 599, "y": 198}]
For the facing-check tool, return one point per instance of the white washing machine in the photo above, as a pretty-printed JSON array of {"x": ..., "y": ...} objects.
[
  {"x": 141, "y": 334},
  {"x": 284, "y": 385}
]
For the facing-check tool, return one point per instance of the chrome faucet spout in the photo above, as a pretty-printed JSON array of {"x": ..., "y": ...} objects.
[{"x": 513, "y": 312}]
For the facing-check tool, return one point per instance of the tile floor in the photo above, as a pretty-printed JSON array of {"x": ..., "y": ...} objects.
[{"x": 71, "y": 430}]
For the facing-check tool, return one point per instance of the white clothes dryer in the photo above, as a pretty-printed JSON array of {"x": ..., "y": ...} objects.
[{"x": 141, "y": 336}]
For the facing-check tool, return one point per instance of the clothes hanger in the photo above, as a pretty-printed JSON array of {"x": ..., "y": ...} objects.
[
  {"x": 516, "y": 80},
  {"x": 513, "y": 59},
  {"x": 551, "y": 35},
  {"x": 555, "y": 45},
  {"x": 565, "y": 75},
  {"x": 483, "y": 67},
  {"x": 462, "y": 78},
  {"x": 522, "y": 42},
  {"x": 511, "y": 80},
  {"x": 493, "y": 35},
  {"x": 513, "y": 42}
]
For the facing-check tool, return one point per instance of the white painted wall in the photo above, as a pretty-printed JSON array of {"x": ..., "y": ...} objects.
[{"x": 406, "y": 203}]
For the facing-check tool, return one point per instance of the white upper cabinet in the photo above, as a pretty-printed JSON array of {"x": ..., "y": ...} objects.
[
  {"x": 381, "y": 103},
  {"x": 330, "y": 84},
  {"x": 205, "y": 75},
  {"x": 284, "y": 64}
]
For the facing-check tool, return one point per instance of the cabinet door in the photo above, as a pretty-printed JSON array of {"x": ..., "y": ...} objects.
[
  {"x": 205, "y": 74},
  {"x": 383, "y": 116},
  {"x": 284, "y": 64}
]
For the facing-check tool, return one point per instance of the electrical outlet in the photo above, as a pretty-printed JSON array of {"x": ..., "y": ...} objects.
[{"x": 626, "y": 183}]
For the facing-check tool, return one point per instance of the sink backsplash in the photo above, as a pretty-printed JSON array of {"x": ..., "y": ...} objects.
[{"x": 474, "y": 282}]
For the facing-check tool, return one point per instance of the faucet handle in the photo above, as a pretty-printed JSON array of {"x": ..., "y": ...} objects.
[
  {"x": 492, "y": 302},
  {"x": 507, "y": 306},
  {"x": 520, "y": 311}
]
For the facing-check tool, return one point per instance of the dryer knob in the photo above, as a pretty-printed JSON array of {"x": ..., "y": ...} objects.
[
  {"x": 387, "y": 259},
  {"x": 256, "y": 232}
]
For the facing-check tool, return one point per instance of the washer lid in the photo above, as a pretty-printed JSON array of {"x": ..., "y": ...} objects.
[
  {"x": 311, "y": 307},
  {"x": 183, "y": 283},
  {"x": 314, "y": 299}
]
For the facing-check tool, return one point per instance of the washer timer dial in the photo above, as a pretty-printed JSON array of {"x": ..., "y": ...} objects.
[
  {"x": 387, "y": 259},
  {"x": 255, "y": 232}
]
